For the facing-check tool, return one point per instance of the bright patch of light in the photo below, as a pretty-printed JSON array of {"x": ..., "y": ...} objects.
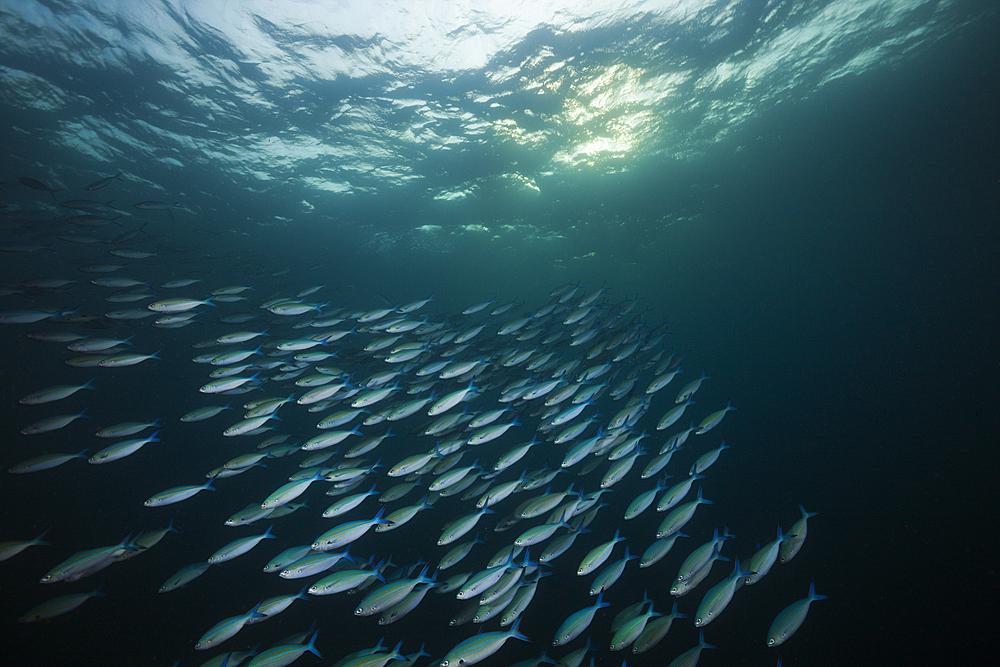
[
  {"x": 453, "y": 195},
  {"x": 328, "y": 186}
]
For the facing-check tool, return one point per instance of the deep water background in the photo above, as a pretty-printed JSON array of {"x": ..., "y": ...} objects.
[{"x": 839, "y": 283}]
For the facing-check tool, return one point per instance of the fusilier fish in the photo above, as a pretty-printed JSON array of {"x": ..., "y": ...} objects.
[
  {"x": 719, "y": 596},
  {"x": 628, "y": 632},
  {"x": 58, "y": 606},
  {"x": 598, "y": 555},
  {"x": 44, "y": 462},
  {"x": 713, "y": 419},
  {"x": 177, "y": 494},
  {"x": 225, "y": 629},
  {"x": 55, "y": 393},
  {"x": 122, "y": 449},
  {"x": 791, "y": 618},
  {"x": 655, "y": 631},
  {"x": 346, "y": 533},
  {"x": 11, "y": 549},
  {"x": 480, "y": 647},
  {"x": 178, "y": 305},
  {"x": 690, "y": 657},
  {"x": 678, "y": 518},
  {"x": 690, "y": 388},
  {"x": 119, "y": 360},
  {"x": 239, "y": 547},
  {"x": 791, "y": 547},
  {"x": 53, "y": 423},
  {"x": 762, "y": 561},
  {"x": 578, "y": 622}
]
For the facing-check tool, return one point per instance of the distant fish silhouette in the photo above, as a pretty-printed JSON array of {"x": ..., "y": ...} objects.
[{"x": 38, "y": 185}]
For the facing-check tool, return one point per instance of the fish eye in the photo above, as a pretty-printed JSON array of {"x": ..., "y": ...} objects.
[{"x": 770, "y": 642}]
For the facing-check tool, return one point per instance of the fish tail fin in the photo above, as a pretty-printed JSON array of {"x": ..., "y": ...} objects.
[
  {"x": 812, "y": 592},
  {"x": 311, "y": 646}
]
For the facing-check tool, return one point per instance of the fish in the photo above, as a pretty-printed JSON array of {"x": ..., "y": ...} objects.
[
  {"x": 345, "y": 505},
  {"x": 102, "y": 182},
  {"x": 12, "y": 548},
  {"x": 456, "y": 529},
  {"x": 673, "y": 415},
  {"x": 719, "y": 596},
  {"x": 35, "y": 184},
  {"x": 273, "y": 606},
  {"x": 791, "y": 547},
  {"x": 55, "y": 393},
  {"x": 239, "y": 547},
  {"x": 610, "y": 574},
  {"x": 58, "y": 606},
  {"x": 184, "y": 576},
  {"x": 85, "y": 562},
  {"x": 577, "y": 623},
  {"x": 481, "y": 582},
  {"x": 146, "y": 541},
  {"x": 690, "y": 657},
  {"x": 661, "y": 381},
  {"x": 225, "y": 629},
  {"x": 676, "y": 493},
  {"x": 226, "y": 384},
  {"x": 285, "y": 654},
  {"x": 629, "y": 631},
  {"x": 346, "y": 580},
  {"x": 177, "y": 494},
  {"x": 791, "y": 618},
  {"x": 642, "y": 502},
  {"x": 205, "y": 412},
  {"x": 153, "y": 205},
  {"x": 289, "y": 492},
  {"x": 346, "y": 533},
  {"x": 126, "y": 429},
  {"x": 451, "y": 400},
  {"x": 120, "y": 450},
  {"x": 389, "y": 594},
  {"x": 596, "y": 557},
  {"x": 762, "y": 561},
  {"x": 119, "y": 360},
  {"x": 53, "y": 423},
  {"x": 655, "y": 631},
  {"x": 713, "y": 419},
  {"x": 178, "y": 305},
  {"x": 44, "y": 462},
  {"x": 541, "y": 533},
  {"x": 451, "y": 395},
  {"x": 698, "y": 558},
  {"x": 658, "y": 549},
  {"x": 489, "y": 433},
  {"x": 690, "y": 388},
  {"x": 680, "y": 588},
  {"x": 480, "y": 647},
  {"x": 678, "y": 518},
  {"x": 452, "y": 477}
]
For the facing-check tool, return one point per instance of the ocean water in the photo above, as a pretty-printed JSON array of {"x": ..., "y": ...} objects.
[{"x": 801, "y": 195}]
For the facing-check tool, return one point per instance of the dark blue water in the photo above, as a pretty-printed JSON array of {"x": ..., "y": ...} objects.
[{"x": 806, "y": 194}]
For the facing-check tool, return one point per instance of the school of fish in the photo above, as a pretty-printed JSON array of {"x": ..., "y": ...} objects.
[{"x": 503, "y": 432}]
